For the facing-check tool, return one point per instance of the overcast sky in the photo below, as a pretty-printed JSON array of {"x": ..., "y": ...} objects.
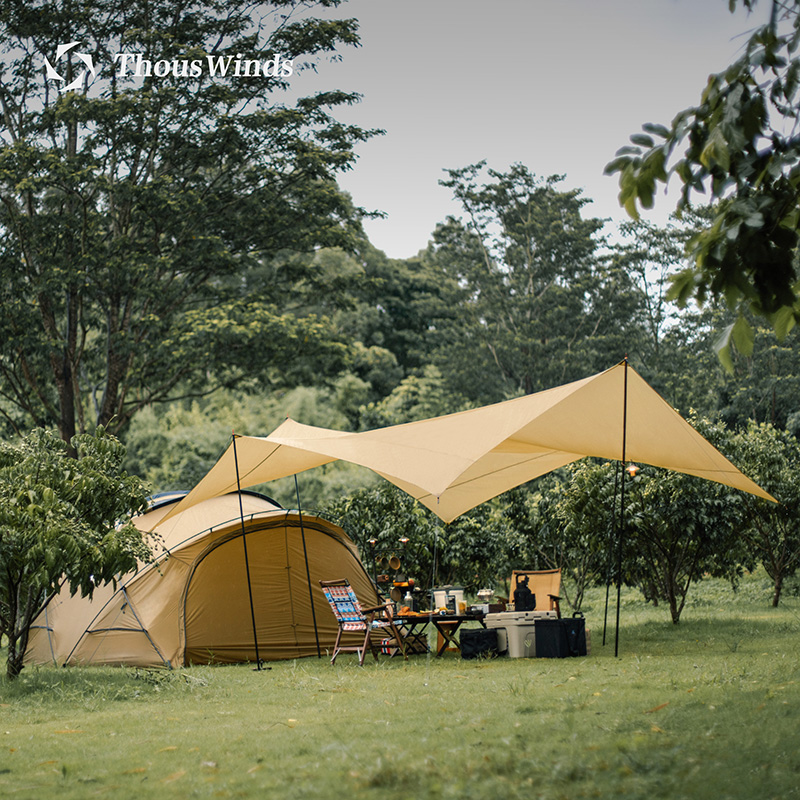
[{"x": 557, "y": 85}]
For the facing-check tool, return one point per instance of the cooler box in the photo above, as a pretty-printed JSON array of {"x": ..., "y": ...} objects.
[{"x": 516, "y": 630}]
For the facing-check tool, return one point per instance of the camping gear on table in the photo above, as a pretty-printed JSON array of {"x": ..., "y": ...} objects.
[
  {"x": 405, "y": 592},
  {"x": 451, "y": 598}
]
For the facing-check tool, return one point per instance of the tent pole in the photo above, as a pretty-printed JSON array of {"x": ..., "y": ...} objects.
[
  {"x": 622, "y": 502},
  {"x": 609, "y": 564},
  {"x": 246, "y": 559},
  {"x": 308, "y": 573}
]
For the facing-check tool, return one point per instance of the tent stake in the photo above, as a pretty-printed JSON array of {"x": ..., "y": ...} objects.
[
  {"x": 308, "y": 573},
  {"x": 622, "y": 502},
  {"x": 246, "y": 559}
]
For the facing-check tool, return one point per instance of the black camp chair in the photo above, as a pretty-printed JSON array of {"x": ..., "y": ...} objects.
[{"x": 352, "y": 618}]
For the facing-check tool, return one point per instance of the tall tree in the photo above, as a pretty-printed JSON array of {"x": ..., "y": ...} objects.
[
  {"x": 527, "y": 262},
  {"x": 400, "y": 304},
  {"x": 740, "y": 146},
  {"x": 145, "y": 157},
  {"x": 650, "y": 254}
]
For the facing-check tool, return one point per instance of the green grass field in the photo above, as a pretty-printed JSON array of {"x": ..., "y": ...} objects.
[{"x": 706, "y": 709}]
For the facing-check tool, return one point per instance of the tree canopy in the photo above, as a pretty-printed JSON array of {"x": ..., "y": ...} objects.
[
  {"x": 156, "y": 160},
  {"x": 537, "y": 305}
]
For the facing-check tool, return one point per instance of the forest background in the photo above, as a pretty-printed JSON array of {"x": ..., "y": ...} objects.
[{"x": 179, "y": 263}]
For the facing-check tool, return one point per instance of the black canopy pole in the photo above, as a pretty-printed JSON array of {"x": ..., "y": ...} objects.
[
  {"x": 622, "y": 502},
  {"x": 308, "y": 572},
  {"x": 610, "y": 560},
  {"x": 246, "y": 559}
]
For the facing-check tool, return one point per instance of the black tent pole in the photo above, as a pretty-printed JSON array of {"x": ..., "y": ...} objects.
[
  {"x": 246, "y": 560},
  {"x": 622, "y": 502},
  {"x": 610, "y": 561},
  {"x": 308, "y": 573}
]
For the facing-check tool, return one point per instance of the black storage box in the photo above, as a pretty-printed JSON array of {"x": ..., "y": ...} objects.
[
  {"x": 551, "y": 638},
  {"x": 575, "y": 630},
  {"x": 478, "y": 643}
]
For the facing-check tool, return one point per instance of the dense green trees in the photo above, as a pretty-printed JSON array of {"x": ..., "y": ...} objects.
[
  {"x": 679, "y": 528},
  {"x": 469, "y": 551},
  {"x": 532, "y": 285},
  {"x": 764, "y": 386},
  {"x": 60, "y": 524},
  {"x": 172, "y": 447},
  {"x": 133, "y": 205},
  {"x": 772, "y": 457}
]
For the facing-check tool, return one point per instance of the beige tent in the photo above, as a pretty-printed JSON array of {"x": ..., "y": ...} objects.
[
  {"x": 193, "y": 605},
  {"x": 453, "y": 463}
]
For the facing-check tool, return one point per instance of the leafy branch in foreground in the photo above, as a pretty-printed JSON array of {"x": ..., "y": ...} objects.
[
  {"x": 740, "y": 145},
  {"x": 60, "y": 525}
]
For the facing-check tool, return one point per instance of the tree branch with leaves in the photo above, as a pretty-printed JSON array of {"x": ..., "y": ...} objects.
[
  {"x": 739, "y": 147},
  {"x": 133, "y": 201},
  {"x": 63, "y": 521}
]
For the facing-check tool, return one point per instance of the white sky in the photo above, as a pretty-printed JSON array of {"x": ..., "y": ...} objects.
[{"x": 558, "y": 85}]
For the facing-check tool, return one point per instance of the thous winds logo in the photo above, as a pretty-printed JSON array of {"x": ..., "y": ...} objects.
[
  {"x": 53, "y": 74},
  {"x": 136, "y": 65}
]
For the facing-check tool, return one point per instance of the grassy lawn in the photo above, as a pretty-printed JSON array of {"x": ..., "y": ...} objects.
[{"x": 706, "y": 709}]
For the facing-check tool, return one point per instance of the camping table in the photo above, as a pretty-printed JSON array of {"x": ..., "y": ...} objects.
[{"x": 413, "y": 625}]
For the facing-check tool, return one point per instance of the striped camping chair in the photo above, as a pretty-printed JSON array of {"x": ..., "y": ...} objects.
[{"x": 352, "y": 618}]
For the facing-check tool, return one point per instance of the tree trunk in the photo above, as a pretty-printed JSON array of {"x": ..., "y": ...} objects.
[
  {"x": 16, "y": 655},
  {"x": 62, "y": 373},
  {"x": 672, "y": 597},
  {"x": 778, "y": 588},
  {"x": 21, "y": 615},
  {"x": 674, "y": 610}
]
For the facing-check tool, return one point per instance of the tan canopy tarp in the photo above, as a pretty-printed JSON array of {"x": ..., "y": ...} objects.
[
  {"x": 453, "y": 463},
  {"x": 192, "y": 606}
]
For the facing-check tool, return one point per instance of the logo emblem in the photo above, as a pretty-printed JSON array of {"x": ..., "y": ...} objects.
[{"x": 54, "y": 75}]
